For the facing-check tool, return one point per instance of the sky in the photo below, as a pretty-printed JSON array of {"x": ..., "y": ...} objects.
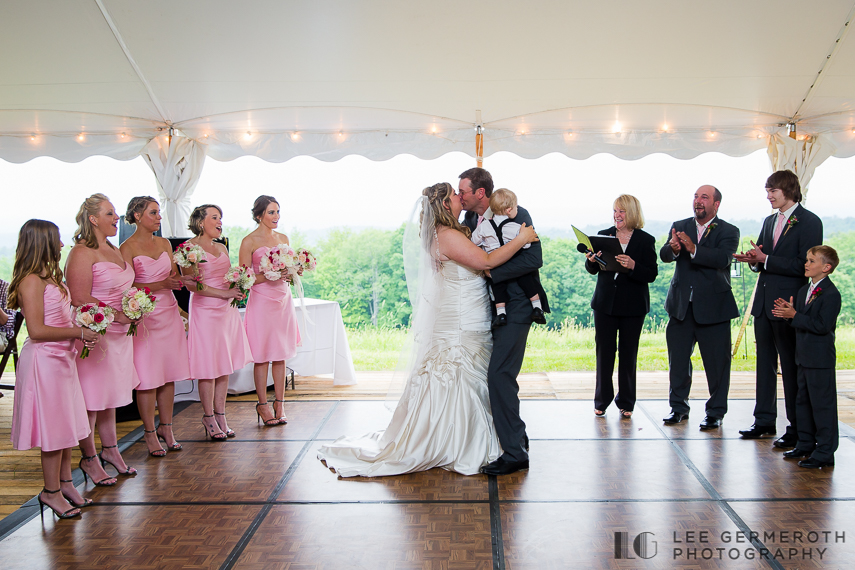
[{"x": 356, "y": 192}]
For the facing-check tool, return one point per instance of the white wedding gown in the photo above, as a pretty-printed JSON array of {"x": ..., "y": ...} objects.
[{"x": 443, "y": 418}]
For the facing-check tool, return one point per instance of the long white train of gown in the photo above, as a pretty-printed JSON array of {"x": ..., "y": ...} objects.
[{"x": 443, "y": 418}]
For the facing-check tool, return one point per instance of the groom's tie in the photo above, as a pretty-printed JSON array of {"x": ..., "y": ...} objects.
[{"x": 480, "y": 219}]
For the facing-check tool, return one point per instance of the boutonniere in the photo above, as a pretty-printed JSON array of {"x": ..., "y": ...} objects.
[
  {"x": 710, "y": 228},
  {"x": 816, "y": 293},
  {"x": 791, "y": 222}
]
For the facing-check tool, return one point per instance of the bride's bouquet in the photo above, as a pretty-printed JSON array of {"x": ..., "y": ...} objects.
[
  {"x": 278, "y": 260},
  {"x": 137, "y": 303},
  {"x": 95, "y": 318},
  {"x": 189, "y": 255},
  {"x": 239, "y": 276}
]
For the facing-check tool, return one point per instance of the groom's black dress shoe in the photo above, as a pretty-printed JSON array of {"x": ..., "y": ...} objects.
[
  {"x": 786, "y": 441},
  {"x": 503, "y": 467},
  {"x": 538, "y": 316},
  {"x": 675, "y": 418},
  {"x": 812, "y": 463},
  {"x": 797, "y": 453},
  {"x": 500, "y": 320},
  {"x": 756, "y": 432},
  {"x": 711, "y": 422}
]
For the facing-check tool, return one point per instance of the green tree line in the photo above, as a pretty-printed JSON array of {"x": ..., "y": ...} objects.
[{"x": 363, "y": 271}]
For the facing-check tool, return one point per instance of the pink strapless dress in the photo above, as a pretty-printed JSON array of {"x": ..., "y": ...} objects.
[
  {"x": 107, "y": 375},
  {"x": 160, "y": 345},
  {"x": 217, "y": 340},
  {"x": 271, "y": 322},
  {"x": 49, "y": 409}
]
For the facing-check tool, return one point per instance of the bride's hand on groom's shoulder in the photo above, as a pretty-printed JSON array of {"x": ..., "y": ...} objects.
[{"x": 527, "y": 234}]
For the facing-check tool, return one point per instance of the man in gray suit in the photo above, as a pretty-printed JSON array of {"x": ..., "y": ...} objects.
[
  {"x": 700, "y": 303},
  {"x": 475, "y": 188}
]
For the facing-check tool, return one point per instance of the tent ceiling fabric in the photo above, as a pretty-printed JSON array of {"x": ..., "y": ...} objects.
[{"x": 278, "y": 79}]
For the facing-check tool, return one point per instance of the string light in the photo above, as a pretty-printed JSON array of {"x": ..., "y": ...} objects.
[
  {"x": 32, "y": 137},
  {"x": 295, "y": 136},
  {"x": 81, "y": 137},
  {"x": 122, "y": 135},
  {"x": 433, "y": 129},
  {"x": 340, "y": 134},
  {"x": 711, "y": 134},
  {"x": 665, "y": 128},
  {"x": 617, "y": 128},
  {"x": 248, "y": 135},
  {"x": 205, "y": 135}
]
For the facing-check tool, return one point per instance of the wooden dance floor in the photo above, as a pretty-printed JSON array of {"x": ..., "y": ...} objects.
[{"x": 595, "y": 487}]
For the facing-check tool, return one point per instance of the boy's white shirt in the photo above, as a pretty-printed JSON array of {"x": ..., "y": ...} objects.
[{"x": 484, "y": 235}]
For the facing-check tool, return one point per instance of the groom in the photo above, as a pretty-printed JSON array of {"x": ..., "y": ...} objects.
[{"x": 474, "y": 190}]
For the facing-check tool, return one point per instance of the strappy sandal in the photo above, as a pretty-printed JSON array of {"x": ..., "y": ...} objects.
[
  {"x": 100, "y": 483},
  {"x": 216, "y": 436},
  {"x": 599, "y": 413},
  {"x": 175, "y": 446},
  {"x": 70, "y": 513},
  {"x": 282, "y": 419},
  {"x": 158, "y": 452},
  {"x": 269, "y": 423},
  {"x": 86, "y": 502},
  {"x": 129, "y": 472},
  {"x": 228, "y": 432},
  {"x": 625, "y": 414}
]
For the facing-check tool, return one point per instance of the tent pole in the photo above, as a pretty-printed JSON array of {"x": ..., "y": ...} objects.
[{"x": 479, "y": 140}]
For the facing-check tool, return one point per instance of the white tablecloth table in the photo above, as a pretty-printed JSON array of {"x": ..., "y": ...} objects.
[{"x": 324, "y": 350}]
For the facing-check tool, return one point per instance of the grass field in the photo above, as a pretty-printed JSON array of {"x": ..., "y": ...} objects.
[{"x": 571, "y": 348}]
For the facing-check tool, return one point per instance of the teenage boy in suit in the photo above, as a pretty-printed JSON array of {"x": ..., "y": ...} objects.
[
  {"x": 813, "y": 315},
  {"x": 779, "y": 256}
]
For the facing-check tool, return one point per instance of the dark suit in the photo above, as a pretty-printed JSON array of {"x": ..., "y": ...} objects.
[
  {"x": 701, "y": 304},
  {"x": 781, "y": 278},
  {"x": 816, "y": 403},
  {"x": 509, "y": 343},
  {"x": 620, "y": 305}
]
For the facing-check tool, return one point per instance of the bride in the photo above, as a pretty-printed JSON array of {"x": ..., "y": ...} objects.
[{"x": 443, "y": 417}]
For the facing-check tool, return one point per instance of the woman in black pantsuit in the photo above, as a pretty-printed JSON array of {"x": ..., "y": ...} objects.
[{"x": 621, "y": 302}]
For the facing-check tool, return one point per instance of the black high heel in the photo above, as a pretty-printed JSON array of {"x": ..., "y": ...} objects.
[
  {"x": 129, "y": 472},
  {"x": 86, "y": 502},
  {"x": 175, "y": 446},
  {"x": 282, "y": 419},
  {"x": 210, "y": 433},
  {"x": 269, "y": 423},
  {"x": 69, "y": 514},
  {"x": 156, "y": 453},
  {"x": 228, "y": 432},
  {"x": 100, "y": 483}
]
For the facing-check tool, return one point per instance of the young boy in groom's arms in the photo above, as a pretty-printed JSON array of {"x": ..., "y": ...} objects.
[{"x": 813, "y": 314}]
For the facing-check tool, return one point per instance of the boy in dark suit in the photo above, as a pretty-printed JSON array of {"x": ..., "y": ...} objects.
[{"x": 814, "y": 316}]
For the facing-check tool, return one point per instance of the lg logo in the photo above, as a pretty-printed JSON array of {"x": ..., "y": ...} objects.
[{"x": 643, "y": 545}]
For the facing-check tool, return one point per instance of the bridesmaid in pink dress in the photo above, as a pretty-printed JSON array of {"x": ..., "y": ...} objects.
[
  {"x": 96, "y": 272},
  {"x": 271, "y": 322},
  {"x": 49, "y": 409},
  {"x": 217, "y": 341},
  {"x": 160, "y": 345}
]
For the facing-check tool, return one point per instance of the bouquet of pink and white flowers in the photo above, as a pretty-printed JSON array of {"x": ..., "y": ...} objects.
[
  {"x": 307, "y": 261},
  {"x": 277, "y": 261},
  {"x": 239, "y": 276},
  {"x": 189, "y": 255},
  {"x": 94, "y": 317},
  {"x": 137, "y": 303}
]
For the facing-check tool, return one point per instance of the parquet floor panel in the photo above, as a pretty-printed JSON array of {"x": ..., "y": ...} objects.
[
  {"x": 571, "y": 419},
  {"x": 354, "y": 418},
  {"x": 832, "y": 522},
  {"x": 202, "y": 471},
  {"x": 540, "y": 536},
  {"x": 402, "y": 537},
  {"x": 605, "y": 469},
  {"x": 125, "y": 537},
  {"x": 754, "y": 469},
  {"x": 311, "y": 481}
]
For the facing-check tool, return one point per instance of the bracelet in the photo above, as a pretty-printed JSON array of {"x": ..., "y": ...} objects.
[{"x": 81, "y": 334}]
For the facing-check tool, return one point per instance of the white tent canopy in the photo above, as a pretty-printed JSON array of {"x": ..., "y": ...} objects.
[{"x": 281, "y": 78}]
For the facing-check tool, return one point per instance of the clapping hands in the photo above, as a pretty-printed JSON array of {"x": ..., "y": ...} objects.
[
  {"x": 783, "y": 309},
  {"x": 753, "y": 256}
]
